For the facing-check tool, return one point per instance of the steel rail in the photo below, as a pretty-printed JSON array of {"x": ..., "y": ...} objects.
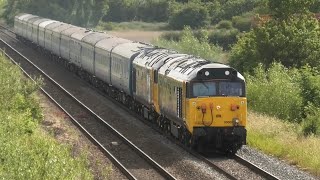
[
  {"x": 255, "y": 168},
  {"x": 142, "y": 154},
  {"x": 239, "y": 159}
]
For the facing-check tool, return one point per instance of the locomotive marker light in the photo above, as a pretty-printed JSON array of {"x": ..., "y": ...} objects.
[{"x": 227, "y": 73}]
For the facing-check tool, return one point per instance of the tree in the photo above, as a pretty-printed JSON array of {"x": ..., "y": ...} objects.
[
  {"x": 192, "y": 14},
  {"x": 285, "y": 9},
  {"x": 291, "y": 39}
]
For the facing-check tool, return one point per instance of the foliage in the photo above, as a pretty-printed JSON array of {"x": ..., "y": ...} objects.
[
  {"x": 192, "y": 45},
  {"x": 224, "y": 24},
  {"x": 294, "y": 42},
  {"x": 275, "y": 92},
  {"x": 78, "y": 12},
  {"x": 285, "y": 9},
  {"x": 243, "y": 23},
  {"x": 136, "y": 10},
  {"x": 133, "y": 25},
  {"x": 310, "y": 84},
  {"x": 224, "y": 37},
  {"x": 25, "y": 151},
  {"x": 311, "y": 124},
  {"x": 238, "y": 7},
  {"x": 191, "y": 15}
]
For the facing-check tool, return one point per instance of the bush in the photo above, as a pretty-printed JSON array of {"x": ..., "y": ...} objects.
[
  {"x": 224, "y": 24},
  {"x": 310, "y": 85},
  {"x": 275, "y": 92},
  {"x": 311, "y": 124},
  {"x": 192, "y": 14},
  {"x": 171, "y": 36},
  {"x": 242, "y": 23},
  {"x": 192, "y": 45},
  {"x": 224, "y": 38}
]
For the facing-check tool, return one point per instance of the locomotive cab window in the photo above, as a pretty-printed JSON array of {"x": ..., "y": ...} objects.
[
  {"x": 204, "y": 89},
  {"x": 230, "y": 89},
  {"x": 215, "y": 88}
]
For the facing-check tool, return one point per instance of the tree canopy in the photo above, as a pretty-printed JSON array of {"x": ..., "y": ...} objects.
[{"x": 290, "y": 38}]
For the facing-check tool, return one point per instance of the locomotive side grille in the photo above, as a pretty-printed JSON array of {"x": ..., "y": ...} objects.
[{"x": 179, "y": 101}]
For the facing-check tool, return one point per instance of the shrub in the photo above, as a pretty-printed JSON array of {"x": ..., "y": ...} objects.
[
  {"x": 224, "y": 24},
  {"x": 310, "y": 85},
  {"x": 192, "y": 45},
  {"x": 311, "y": 124},
  {"x": 224, "y": 38},
  {"x": 172, "y": 36},
  {"x": 242, "y": 23},
  {"x": 275, "y": 92},
  {"x": 192, "y": 14}
]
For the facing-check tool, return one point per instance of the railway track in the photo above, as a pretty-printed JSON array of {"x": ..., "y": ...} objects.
[
  {"x": 210, "y": 162},
  {"x": 112, "y": 143}
]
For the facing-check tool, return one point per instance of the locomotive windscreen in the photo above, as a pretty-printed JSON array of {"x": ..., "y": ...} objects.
[{"x": 216, "y": 88}]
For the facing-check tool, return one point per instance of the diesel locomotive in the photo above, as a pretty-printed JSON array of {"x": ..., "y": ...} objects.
[{"x": 200, "y": 103}]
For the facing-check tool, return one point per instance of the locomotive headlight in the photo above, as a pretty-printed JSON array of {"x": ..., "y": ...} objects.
[
  {"x": 235, "y": 121},
  {"x": 227, "y": 73},
  {"x": 207, "y": 73}
]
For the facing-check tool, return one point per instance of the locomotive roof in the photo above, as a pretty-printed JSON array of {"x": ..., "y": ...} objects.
[
  {"x": 45, "y": 23},
  {"x": 95, "y": 37},
  {"x": 110, "y": 43},
  {"x": 185, "y": 68},
  {"x": 127, "y": 50},
  {"x": 153, "y": 57}
]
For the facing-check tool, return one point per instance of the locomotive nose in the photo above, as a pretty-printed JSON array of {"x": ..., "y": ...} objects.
[{"x": 219, "y": 112}]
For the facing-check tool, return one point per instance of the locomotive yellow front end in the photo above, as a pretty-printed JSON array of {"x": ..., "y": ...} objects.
[{"x": 216, "y": 110}]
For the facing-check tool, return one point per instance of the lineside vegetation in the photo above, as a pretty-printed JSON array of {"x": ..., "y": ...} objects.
[
  {"x": 26, "y": 151},
  {"x": 280, "y": 60}
]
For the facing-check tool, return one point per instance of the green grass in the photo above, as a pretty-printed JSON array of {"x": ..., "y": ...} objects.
[
  {"x": 284, "y": 140},
  {"x": 134, "y": 25},
  {"x": 26, "y": 152}
]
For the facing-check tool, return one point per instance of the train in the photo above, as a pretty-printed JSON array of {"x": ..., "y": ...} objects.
[{"x": 200, "y": 103}]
